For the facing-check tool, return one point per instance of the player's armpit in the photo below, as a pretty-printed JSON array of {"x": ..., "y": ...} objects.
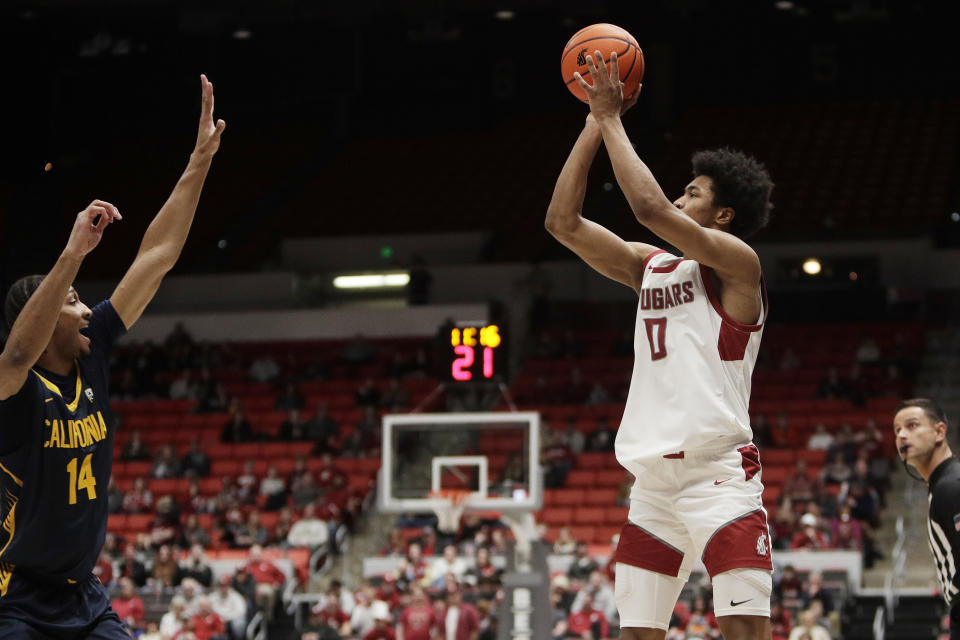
[{"x": 606, "y": 252}]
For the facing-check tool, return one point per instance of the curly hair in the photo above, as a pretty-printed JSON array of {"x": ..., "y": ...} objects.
[
  {"x": 739, "y": 182},
  {"x": 17, "y": 296}
]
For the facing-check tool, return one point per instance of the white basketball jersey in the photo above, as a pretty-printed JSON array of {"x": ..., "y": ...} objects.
[{"x": 690, "y": 389}]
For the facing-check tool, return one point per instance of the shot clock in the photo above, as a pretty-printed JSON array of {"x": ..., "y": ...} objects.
[{"x": 476, "y": 353}]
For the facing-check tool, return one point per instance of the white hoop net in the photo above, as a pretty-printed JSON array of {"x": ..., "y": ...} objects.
[{"x": 450, "y": 510}]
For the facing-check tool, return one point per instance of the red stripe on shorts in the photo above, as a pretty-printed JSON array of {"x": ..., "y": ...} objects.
[
  {"x": 639, "y": 548},
  {"x": 743, "y": 543}
]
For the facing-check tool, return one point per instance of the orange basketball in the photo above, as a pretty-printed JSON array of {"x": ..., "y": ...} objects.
[{"x": 605, "y": 38}]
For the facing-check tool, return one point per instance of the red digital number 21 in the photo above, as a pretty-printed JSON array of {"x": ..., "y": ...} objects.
[{"x": 656, "y": 335}]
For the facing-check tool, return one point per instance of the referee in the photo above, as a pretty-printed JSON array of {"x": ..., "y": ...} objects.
[{"x": 920, "y": 427}]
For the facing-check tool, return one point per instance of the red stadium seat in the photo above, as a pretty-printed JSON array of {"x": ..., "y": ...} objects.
[
  {"x": 583, "y": 534},
  {"x": 138, "y": 522},
  {"x": 610, "y": 477},
  {"x": 580, "y": 478},
  {"x": 223, "y": 467},
  {"x": 615, "y": 515},
  {"x": 588, "y": 516},
  {"x": 558, "y": 516},
  {"x": 137, "y": 469},
  {"x": 116, "y": 522},
  {"x": 247, "y": 450},
  {"x": 600, "y": 497},
  {"x": 569, "y": 497}
]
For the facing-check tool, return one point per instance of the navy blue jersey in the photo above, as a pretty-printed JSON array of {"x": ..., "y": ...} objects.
[{"x": 56, "y": 456}]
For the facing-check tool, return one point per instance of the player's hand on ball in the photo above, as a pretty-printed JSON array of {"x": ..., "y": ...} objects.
[
  {"x": 89, "y": 225},
  {"x": 628, "y": 102},
  {"x": 208, "y": 135},
  {"x": 606, "y": 92}
]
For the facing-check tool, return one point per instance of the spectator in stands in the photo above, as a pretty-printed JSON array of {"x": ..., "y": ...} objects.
[
  {"x": 869, "y": 445},
  {"x": 104, "y": 569},
  {"x": 809, "y": 629},
  {"x": 780, "y": 621},
  {"x": 598, "y": 588},
  {"x": 196, "y": 568},
  {"x": 264, "y": 369},
  {"x": 564, "y": 544},
  {"x": 813, "y": 590},
  {"x": 165, "y": 526},
  {"x": 833, "y": 387},
  {"x": 412, "y": 568},
  {"x": 367, "y": 395},
  {"x": 367, "y": 611},
  {"x": 166, "y": 464},
  {"x": 331, "y": 614},
  {"x": 327, "y": 472},
  {"x": 273, "y": 488},
  {"x": 781, "y": 434},
  {"x": 128, "y": 606},
  {"x": 820, "y": 439},
  {"x": 582, "y": 566},
  {"x": 395, "y": 397},
  {"x": 230, "y": 606},
  {"x": 789, "y": 588},
  {"x": 602, "y": 438},
  {"x": 598, "y": 394},
  {"x": 135, "y": 449},
  {"x": 114, "y": 497},
  {"x": 418, "y": 620},
  {"x": 207, "y": 625},
  {"x": 576, "y": 389},
  {"x": 557, "y": 460},
  {"x": 309, "y": 531},
  {"x": 344, "y": 596},
  {"x": 461, "y": 620},
  {"x": 893, "y": 384},
  {"x": 784, "y": 524},
  {"x": 800, "y": 485},
  {"x": 809, "y": 538},
  {"x": 244, "y": 584},
  {"x": 248, "y": 483},
  {"x": 289, "y": 398},
  {"x": 859, "y": 387},
  {"x": 281, "y": 529},
  {"x": 237, "y": 429},
  {"x": 138, "y": 499},
  {"x": 293, "y": 428},
  {"x": 358, "y": 351},
  {"x": 211, "y": 397},
  {"x": 193, "y": 534},
  {"x": 268, "y": 578},
  {"x": 164, "y": 567},
  {"x": 448, "y": 563},
  {"x": 131, "y": 567},
  {"x": 701, "y": 622},
  {"x": 868, "y": 351},
  {"x": 321, "y": 428},
  {"x": 305, "y": 491},
  {"x": 845, "y": 532},
  {"x": 173, "y": 620},
  {"x": 587, "y": 622},
  {"x": 251, "y": 533},
  {"x": 789, "y": 361},
  {"x": 484, "y": 575},
  {"x": 836, "y": 472},
  {"x": 183, "y": 387},
  {"x": 572, "y": 436},
  {"x": 196, "y": 462},
  {"x": 191, "y": 591},
  {"x": 226, "y": 499}
]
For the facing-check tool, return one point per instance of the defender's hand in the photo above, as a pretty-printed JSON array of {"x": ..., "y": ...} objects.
[
  {"x": 88, "y": 227},
  {"x": 208, "y": 135}
]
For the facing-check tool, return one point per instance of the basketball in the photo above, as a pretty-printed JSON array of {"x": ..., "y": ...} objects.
[{"x": 605, "y": 38}]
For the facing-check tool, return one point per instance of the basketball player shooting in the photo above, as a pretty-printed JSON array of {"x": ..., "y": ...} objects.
[
  {"x": 685, "y": 433},
  {"x": 56, "y": 424}
]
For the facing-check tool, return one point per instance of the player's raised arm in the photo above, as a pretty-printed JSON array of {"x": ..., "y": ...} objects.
[
  {"x": 727, "y": 254},
  {"x": 597, "y": 246},
  {"x": 33, "y": 328},
  {"x": 167, "y": 233}
]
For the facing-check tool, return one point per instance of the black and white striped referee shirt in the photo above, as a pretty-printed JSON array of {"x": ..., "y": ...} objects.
[{"x": 943, "y": 526}]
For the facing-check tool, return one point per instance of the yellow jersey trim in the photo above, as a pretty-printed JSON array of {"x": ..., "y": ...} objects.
[
  {"x": 76, "y": 398},
  {"x": 10, "y": 473}
]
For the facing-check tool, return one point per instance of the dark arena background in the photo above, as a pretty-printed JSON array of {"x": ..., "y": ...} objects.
[{"x": 418, "y": 143}]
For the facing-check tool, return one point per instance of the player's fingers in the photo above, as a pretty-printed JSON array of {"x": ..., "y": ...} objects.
[
  {"x": 111, "y": 210},
  {"x": 614, "y": 66},
  {"x": 583, "y": 83},
  {"x": 91, "y": 213},
  {"x": 594, "y": 73},
  {"x": 221, "y": 125},
  {"x": 601, "y": 65}
]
